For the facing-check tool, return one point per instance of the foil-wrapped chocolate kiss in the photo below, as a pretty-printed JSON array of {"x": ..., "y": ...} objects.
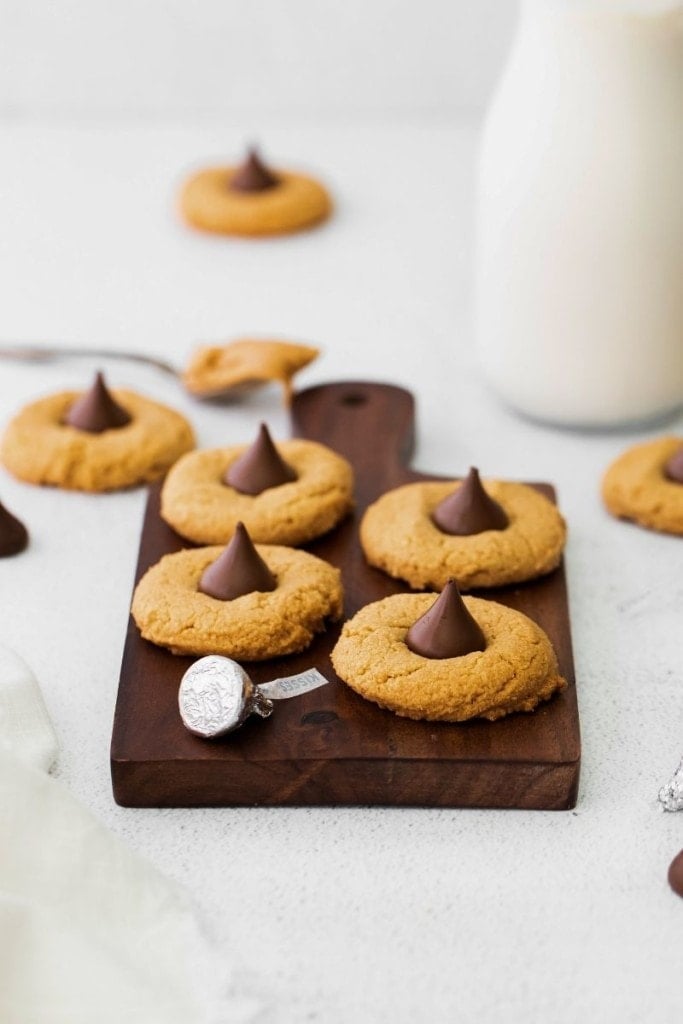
[{"x": 217, "y": 695}]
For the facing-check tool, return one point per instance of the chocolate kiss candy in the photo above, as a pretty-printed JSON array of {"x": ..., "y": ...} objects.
[
  {"x": 253, "y": 175},
  {"x": 674, "y": 467},
  {"x": 446, "y": 630},
  {"x": 238, "y": 570},
  {"x": 469, "y": 509},
  {"x": 675, "y": 875},
  {"x": 96, "y": 411},
  {"x": 13, "y": 534},
  {"x": 260, "y": 467}
]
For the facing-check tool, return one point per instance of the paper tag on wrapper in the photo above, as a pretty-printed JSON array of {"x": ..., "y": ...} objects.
[{"x": 293, "y": 686}]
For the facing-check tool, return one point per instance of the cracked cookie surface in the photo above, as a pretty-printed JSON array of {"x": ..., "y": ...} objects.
[
  {"x": 635, "y": 486},
  {"x": 39, "y": 448},
  {"x": 170, "y": 611},
  {"x": 207, "y": 202},
  {"x": 398, "y": 535},
  {"x": 200, "y": 507},
  {"x": 517, "y": 670}
]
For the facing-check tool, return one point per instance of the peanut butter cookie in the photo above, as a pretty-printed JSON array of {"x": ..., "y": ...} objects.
[
  {"x": 399, "y": 535},
  {"x": 645, "y": 484},
  {"x": 170, "y": 610},
  {"x": 142, "y": 440},
  {"x": 252, "y": 200},
  {"x": 200, "y": 506},
  {"x": 516, "y": 670}
]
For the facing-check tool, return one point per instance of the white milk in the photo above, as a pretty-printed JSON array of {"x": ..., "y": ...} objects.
[{"x": 580, "y": 215}]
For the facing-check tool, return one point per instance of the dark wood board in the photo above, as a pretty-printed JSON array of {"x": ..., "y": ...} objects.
[{"x": 331, "y": 747}]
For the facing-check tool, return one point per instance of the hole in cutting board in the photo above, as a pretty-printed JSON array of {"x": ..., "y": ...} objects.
[
  {"x": 353, "y": 398},
  {"x": 319, "y": 717}
]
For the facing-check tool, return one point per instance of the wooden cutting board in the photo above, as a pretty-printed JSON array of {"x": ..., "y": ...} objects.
[{"x": 331, "y": 747}]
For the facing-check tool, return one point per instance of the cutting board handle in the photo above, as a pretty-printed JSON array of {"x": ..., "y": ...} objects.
[{"x": 371, "y": 424}]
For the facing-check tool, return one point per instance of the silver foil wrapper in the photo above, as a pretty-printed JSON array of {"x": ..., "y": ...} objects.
[
  {"x": 671, "y": 795},
  {"x": 216, "y": 696}
]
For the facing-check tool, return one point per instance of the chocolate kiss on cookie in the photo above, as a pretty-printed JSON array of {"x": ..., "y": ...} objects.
[
  {"x": 13, "y": 534},
  {"x": 469, "y": 509},
  {"x": 260, "y": 467},
  {"x": 675, "y": 875},
  {"x": 253, "y": 175},
  {"x": 237, "y": 571},
  {"x": 674, "y": 467},
  {"x": 96, "y": 411},
  {"x": 446, "y": 630}
]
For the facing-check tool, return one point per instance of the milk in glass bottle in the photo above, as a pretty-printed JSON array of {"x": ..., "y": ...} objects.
[{"x": 580, "y": 214}]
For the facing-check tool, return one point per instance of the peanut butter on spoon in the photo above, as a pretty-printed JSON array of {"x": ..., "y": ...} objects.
[
  {"x": 244, "y": 364},
  {"x": 213, "y": 371}
]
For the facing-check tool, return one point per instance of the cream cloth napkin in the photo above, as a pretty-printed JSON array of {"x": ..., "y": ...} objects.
[{"x": 89, "y": 932}]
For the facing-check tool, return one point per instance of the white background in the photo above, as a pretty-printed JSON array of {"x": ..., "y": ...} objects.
[
  {"x": 329, "y": 915},
  {"x": 294, "y": 58}
]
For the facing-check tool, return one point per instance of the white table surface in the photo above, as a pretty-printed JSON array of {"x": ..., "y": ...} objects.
[{"x": 339, "y": 915}]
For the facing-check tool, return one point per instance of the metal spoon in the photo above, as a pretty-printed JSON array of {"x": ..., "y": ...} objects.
[{"x": 33, "y": 353}]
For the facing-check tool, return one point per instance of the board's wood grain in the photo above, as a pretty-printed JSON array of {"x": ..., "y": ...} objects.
[{"x": 330, "y": 746}]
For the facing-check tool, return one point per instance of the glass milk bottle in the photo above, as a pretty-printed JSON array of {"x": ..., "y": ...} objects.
[{"x": 580, "y": 214}]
